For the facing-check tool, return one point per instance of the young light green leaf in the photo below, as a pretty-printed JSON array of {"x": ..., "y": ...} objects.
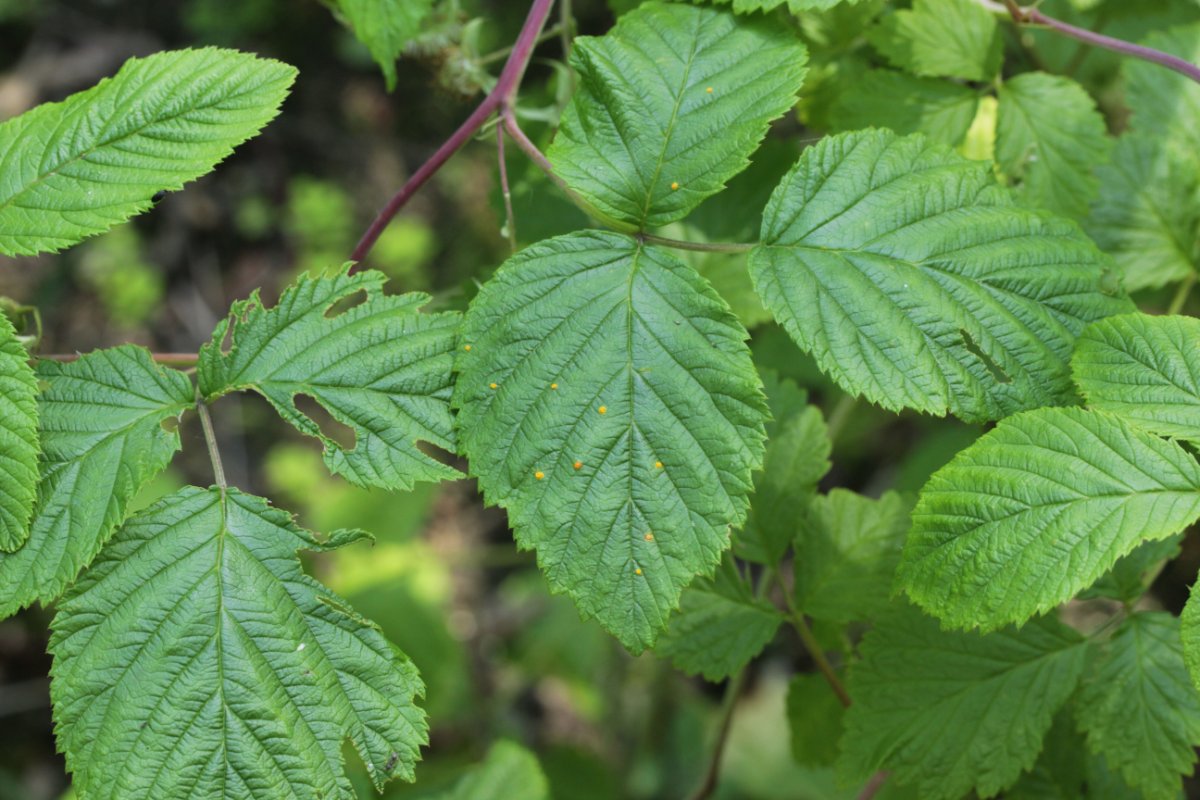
[
  {"x": 941, "y": 38},
  {"x": 847, "y": 550},
  {"x": 1049, "y": 139},
  {"x": 380, "y": 367},
  {"x": 18, "y": 440},
  {"x": 609, "y": 402},
  {"x": 1145, "y": 370},
  {"x": 816, "y": 718},
  {"x": 916, "y": 283},
  {"x": 196, "y": 659},
  {"x": 73, "y": 169},
  {"x": 796, "y": 460},
  {"x": 510, "y": 772},
  {"x": 385, "y": 27},
  {"x": 950, "y": 712},
  {"x": 1038, "y": 509},
  {"x": 1164, "y": 102},
  {"x": 670, "y": 105},
  {"x": 106, "y": 429},
  {"x": 906, "y": 103},
  {"x": 1138, "y": 707},
  {"x": 1148, "y": 213},
  {"x": 720, "y": 626}
]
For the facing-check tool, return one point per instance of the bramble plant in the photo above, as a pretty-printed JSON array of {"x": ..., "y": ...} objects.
[{"x": 960, "y": 241}]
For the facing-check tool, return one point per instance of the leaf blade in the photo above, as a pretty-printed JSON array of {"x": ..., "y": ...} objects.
[
  {"x": 595, "y": 350},
  {"x": 76, "y": 168},
  {"x": 19, "y": 445}
]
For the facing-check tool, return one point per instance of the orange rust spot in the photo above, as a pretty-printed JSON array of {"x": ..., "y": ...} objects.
[
  {"x": 658, "y": 465},
  {"x": 539, "y": 474},
  {"x": 649, "y": 536},
  {"x": 674, "y": 185},
  {"x": 578, "y": 465}
]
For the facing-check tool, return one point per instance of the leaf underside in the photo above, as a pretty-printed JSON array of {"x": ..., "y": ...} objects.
[
  {"x": 73, "y": 169},
  {"x": 380, "y": 367},
  {"x": 670, "y": 105},
  {"x": 617, "y": 375},
  {"x": 1038, "y": 509},
  {"x": 385, "y": 27},
  {"x": 103, "y": 440},
  {"x": 949, "y": 712},
  {"x": 915, "y": 282},
  {"x": 196, "y": 659}
]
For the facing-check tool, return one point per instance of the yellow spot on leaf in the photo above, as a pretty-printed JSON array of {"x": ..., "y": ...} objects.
[
  {"x": 674, "y": 185},
  {"x": 638, "y": 571},
  {"x": 603, "y": 409},
  {"x": 467, "y": 347},
  {"x": 658, "y": 465},
  {"x": 539, "y": 474},
  {"x": 709, "y": 90},
  {"x": 554, "y": 386},
  {"x": 491, "y": 386},
  {"x": 649, "y": 536},
  {"x": 578, "y": 465}
]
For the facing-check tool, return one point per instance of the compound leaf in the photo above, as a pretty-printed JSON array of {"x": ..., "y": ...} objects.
[
  {"x": 670, "y": 105},
  {"x": 509, "y": 772},
  {"x": 1049, "y": 139},
  {"x": 720, "y": 626},
  {"x": 608, "y": 401},
  {"x": 797, "y": 458},
  {"x": 847, "y": 550},
  {"x": 196, "y": 659},
  {"x": 941, "y": 38},
  {"x": 1148, "y": 213},
  {"x": 1145, "y": 370},
  {"x": 1140, "y": 709},
  {"x": 1038, "y": 509},
  {"x": 385, "y": 27},
  {"x": 73, "y": 169},
  {"x": 106, "y": 429},
  {"x": 380, "y": 367},
  {"x": 18, "y": 439},
  {"x": 916, "y": 283},
  {"x": 950, "y": 712}
]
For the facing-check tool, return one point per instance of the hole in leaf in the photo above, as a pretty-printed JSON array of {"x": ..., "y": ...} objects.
[
  {"x": 346, "y": 303},
  {"x": 974, "y": 349},
  {"x": 340, "y": 433}
]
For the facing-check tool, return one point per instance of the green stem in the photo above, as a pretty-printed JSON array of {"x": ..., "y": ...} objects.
[
  {"x": 733, "y": 690},
  {"x": 210, "y": 439},
  {"x": 840, "y": 415},
  {"x": 699, "y": 247},
  {"x": 1181, "y": 295},
  {"x": 817, "y": 653}
]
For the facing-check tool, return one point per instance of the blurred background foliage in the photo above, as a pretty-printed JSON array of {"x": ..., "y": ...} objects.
[{"x": 501, "y": 658}]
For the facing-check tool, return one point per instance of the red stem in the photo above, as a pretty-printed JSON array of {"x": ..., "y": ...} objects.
[
  {"x": 1023, "y": 15},
  {"x": 498, "y": 99}
]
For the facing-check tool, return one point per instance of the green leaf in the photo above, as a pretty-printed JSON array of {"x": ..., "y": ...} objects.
[
  {"x": 18, "y": 439},
  {"x": 846, "y": 554},
  {"x": 644, "y": 140},
  {"x": 196, "y": 659},
  {"x": 1061, "y": 771},
  {"x": 907, "y": 104},
  {"x": 380, "y": 367},
  {"x": 1145, "y": 370},
  {"x": 793, "y": 6},
  {"x": 73, "y": 169},
  {"x": 951, "y": 712},
  {"x": 1132, "y": 575},
  {"x": 816, "y": 718},
  {"x": 1049, "y": 139},
  {"x": 385, "y": 27},
  {"x": 617, "y": 357},
  {"x": 108, "y": 426},
  {"x": 720, "y": 626},
  {"x": 1190, "y": 633},
  {"x": 510, "y": 772},
  {"x": 941, "y": 38},
  {"x": 1164, "y": 102},
  {"x": 796, "y": 460},
  {"x": 1148, "y": 213},
  {"x": 914, "y": 281},
  {"x": 1038, "y": 509},
  {"x": 1138, "y": 707}
]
